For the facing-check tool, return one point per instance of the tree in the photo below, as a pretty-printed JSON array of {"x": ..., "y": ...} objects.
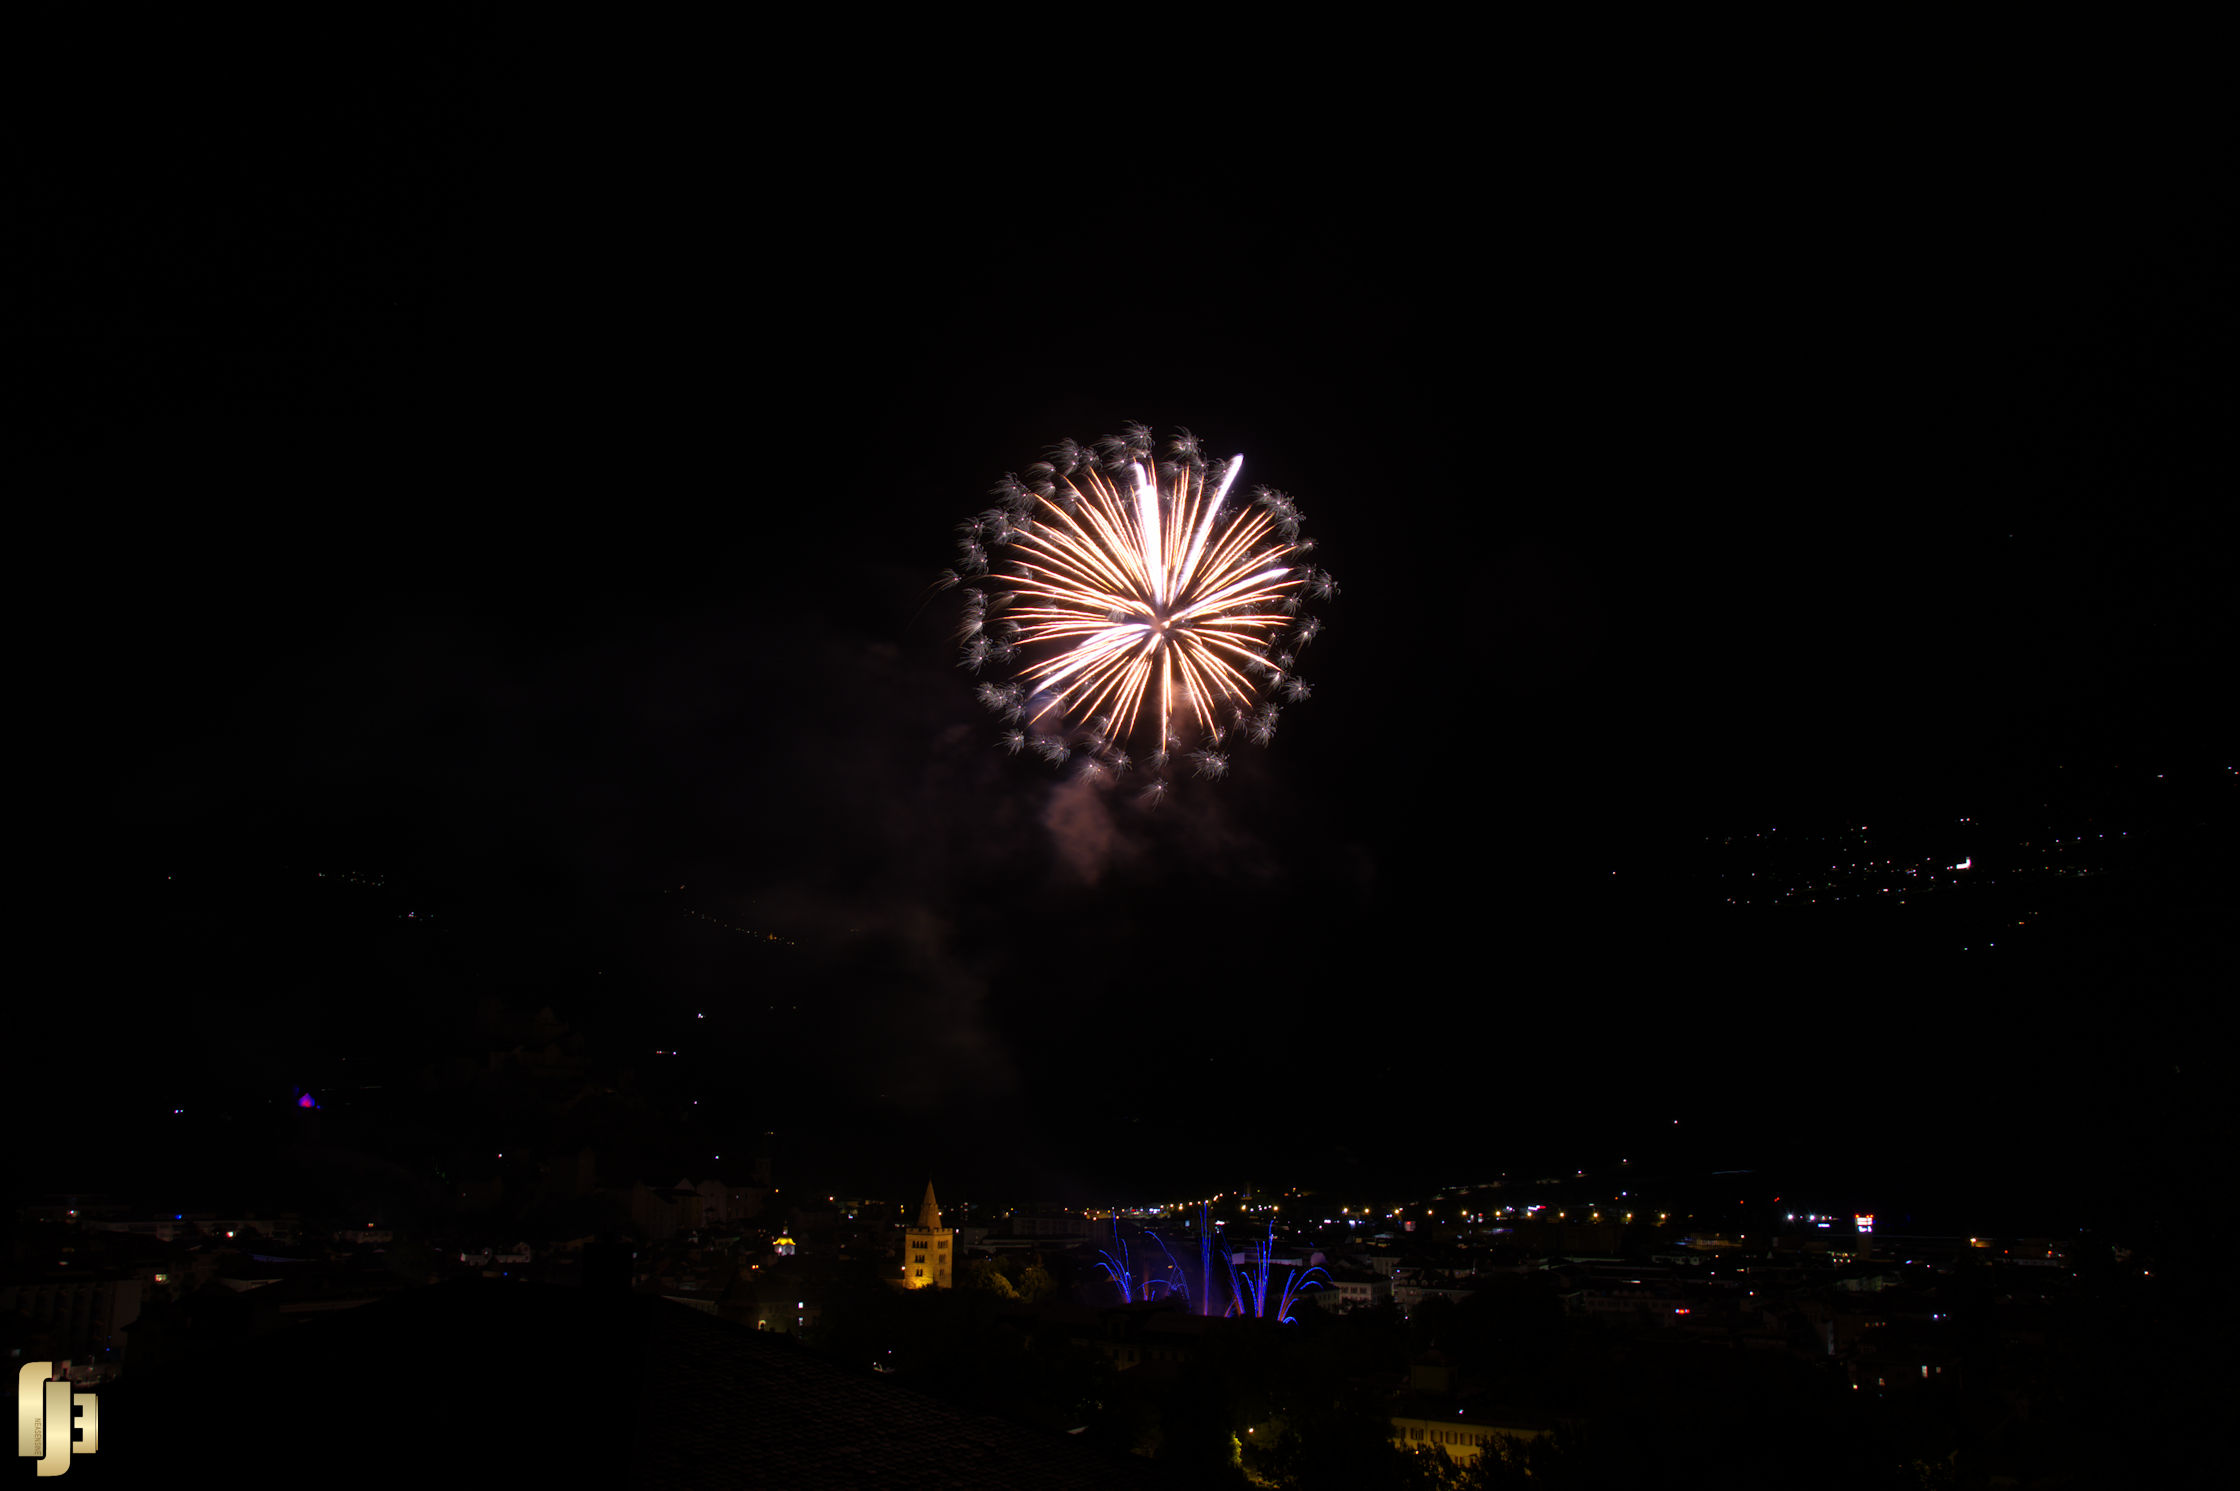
[
  {"x": 1345, "y": 1446},
  {"x": 1198, "y": 1438},
  {"x": 1035, "y": 1284},
  {"x": 985, "y": 1276}
]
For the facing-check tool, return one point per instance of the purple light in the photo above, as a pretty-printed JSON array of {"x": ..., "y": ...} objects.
[
  {"x": 1248, "y": 1292},
  {"x": 1253, "y": 1287},
  {"x": 306, "y": 1101}
]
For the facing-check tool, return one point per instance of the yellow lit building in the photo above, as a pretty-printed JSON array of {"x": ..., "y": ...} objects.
[
  {"x": 928, "y": 1249},
  {"x": 1463, "y": 1441},
  {"x": 1428, "y": 1415}
]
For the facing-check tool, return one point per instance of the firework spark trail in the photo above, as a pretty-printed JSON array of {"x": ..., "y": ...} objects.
[
  {"x": 1137, "y": 601},
  {"x": 1205, "y": 1259},
  {"x": 1248, "y": 1291},
  {"x": 1204, "y": 1302},
  {"x": 1120, "y": 1269},
  {"x": 1180, "y": 1284},
  {"x": 1292, "y": 1284},
  {"x": 1254, "y": 1284}
]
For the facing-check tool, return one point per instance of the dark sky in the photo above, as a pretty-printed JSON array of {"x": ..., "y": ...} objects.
[{"x": 524, "y": 480}]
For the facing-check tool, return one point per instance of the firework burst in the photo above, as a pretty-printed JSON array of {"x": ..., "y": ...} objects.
[{"x": 1140, "y": 614}]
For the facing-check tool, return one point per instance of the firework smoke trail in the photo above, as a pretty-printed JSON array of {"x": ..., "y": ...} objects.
[{"x": 1137, "y": 607}]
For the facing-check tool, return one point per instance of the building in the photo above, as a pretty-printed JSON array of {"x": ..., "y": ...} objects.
[
  {"x": 1411, "y": 1292},
  {"x": 85, "y": 1315},
  {"x": 1049, "y": 1221},
  {"x": 170, "y": 1228},
  {"x": 1418, "y": 1424},
  {"x": 1433, "y": 1412},
  {"x": 661, "y": 1213},
  {"x": 928, "y": 1249},
  {"x": 723, "y": 1203},
  {"x": 1354, "y": 1289}
]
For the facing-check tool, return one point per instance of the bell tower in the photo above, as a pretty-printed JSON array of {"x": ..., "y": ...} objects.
[{"x": 928, "y": 1248}]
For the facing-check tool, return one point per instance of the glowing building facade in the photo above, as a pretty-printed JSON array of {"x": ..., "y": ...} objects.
[{"x": 928, "y": 1248}]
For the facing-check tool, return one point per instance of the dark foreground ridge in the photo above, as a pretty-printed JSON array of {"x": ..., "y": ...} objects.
[{"x": 598, "y": 1389}]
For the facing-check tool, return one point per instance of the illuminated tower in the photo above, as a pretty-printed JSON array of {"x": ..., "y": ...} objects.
[{"x": 927, "y": 1248}]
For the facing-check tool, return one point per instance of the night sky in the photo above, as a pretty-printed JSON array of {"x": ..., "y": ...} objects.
[{"x": 523, "y": 484}]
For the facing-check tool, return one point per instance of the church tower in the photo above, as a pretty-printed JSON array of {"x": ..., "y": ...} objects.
[{"x": 928, "y": 1248}]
